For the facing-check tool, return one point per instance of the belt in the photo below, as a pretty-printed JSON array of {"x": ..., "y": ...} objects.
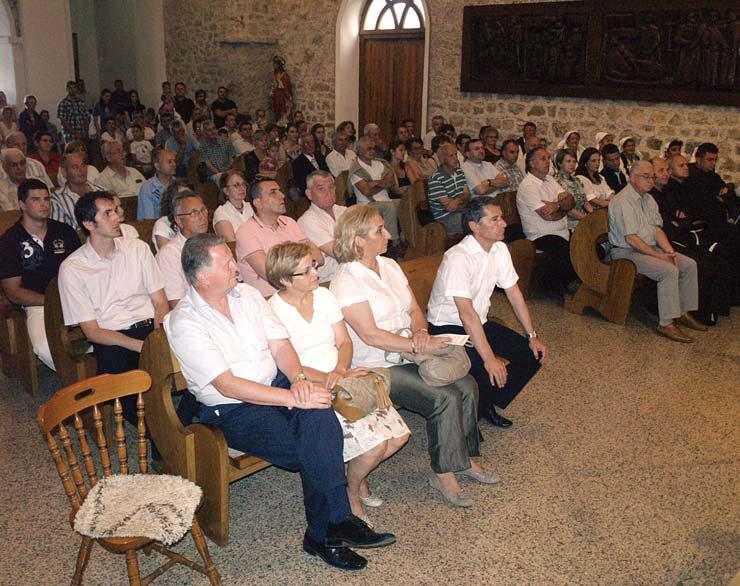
[{"x": 140, "y": 324}]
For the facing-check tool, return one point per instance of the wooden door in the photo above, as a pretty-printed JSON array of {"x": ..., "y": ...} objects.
[{"x": 391, "y": 78}]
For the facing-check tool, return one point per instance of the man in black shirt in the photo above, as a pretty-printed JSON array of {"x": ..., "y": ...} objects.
[
  {"x": 30, "y": 254},
  {"x": 222, "y": 106},
  {"x": 183, "y": 105},
  {"x": 612, "y": 171},
  {"x": 711, "y": 197},
  {"x": 119, "y": 99}
]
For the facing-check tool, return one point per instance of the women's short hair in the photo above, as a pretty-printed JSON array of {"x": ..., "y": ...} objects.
[
  {"x": 352, "y": 223},
  {"x": 282, "y": 259},
  {"x": 560, "y": 157}
]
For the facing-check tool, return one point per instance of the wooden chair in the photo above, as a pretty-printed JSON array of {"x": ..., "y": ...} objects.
[
  {"x": 81, "y": 477},
  {"x": 421, "y": 273},
  {"x": 145, "y": 229},
  {"x": 68, "y": 344},
  {"x": 523, "y": 252},
  {"x": 196, "y": 452},
  {"x": 130, "y": 207},
  {"x": 284, "y": 177},
  {"x": 341, "y": 186},
  {"x": 606, "y": 287},
  {"x": 423, "y": 240}
]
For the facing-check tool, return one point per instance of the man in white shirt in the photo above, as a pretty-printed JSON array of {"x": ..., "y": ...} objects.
[
  {"x": 63, "y": 200},
  {"x": 340, "y": 158},
  {"x": 111, "y": 286},
  {"x": 318, "y": 221},
  {"x": 371, "y": 178},
  {"x": 191, "y": 217},
  {"x": 230, "y": 346},
  {"x": 437, "y": 122},
  {"x": 482, "y": 177},
  {"x": 242, "y": 140},
  {"x": 14, "y": 173},
  {"x": 117, "y": 177},
  {"x": 543, "y": 208},
  {"x": 34, "y": 169},
  {"x": 502, "y": 361}
]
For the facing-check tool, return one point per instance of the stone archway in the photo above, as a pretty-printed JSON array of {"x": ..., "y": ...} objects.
[
  {"x": 11, "y": 59},
  {"x": 347, "y": 63}
]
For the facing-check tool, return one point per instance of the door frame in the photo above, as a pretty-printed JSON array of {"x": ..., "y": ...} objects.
[{"x": 347, "y": 63}]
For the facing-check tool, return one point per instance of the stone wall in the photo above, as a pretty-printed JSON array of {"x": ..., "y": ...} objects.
[{"x": 304, "y": 34}]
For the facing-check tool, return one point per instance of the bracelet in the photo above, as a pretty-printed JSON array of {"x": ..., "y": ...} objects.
[
  {"x": 531, "y": 335},
  {"x": 421, "y": 330},
  {"x": 300, "y": 376}
]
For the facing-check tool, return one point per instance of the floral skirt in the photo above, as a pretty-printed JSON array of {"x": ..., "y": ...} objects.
[{"x": 366, "y": 433}]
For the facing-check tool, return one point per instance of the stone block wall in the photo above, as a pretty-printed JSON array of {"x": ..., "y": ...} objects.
[{"x": 304, "y": 33}]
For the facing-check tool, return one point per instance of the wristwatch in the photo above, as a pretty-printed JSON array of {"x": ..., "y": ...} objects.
[{"x": 531, "y": 335}]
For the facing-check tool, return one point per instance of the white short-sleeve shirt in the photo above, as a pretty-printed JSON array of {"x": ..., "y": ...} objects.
[
  {"x": 116, "y": 292},
  {"x": 128, "y": 231},
  {"x": 128, "y": 186},
  {"x": 375, "y": 170},
  {"x": 228, "y": 213},
  {"x": 477, "y": 173},
  {"x": 319, "y": 229},
  {"x": 530, "y": 196},
  {"x": 313, "y": 341},
  {"x": 208, "y": 344},
  {"x": 468, "y": 271},
  {"x": 170, "y": 265},
  {"x": 162, "y": 227},
  {"x": 338, "y": 162},
  {"x": 390, "y": 301}
]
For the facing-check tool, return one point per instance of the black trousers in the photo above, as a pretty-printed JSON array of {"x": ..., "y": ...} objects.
[
  {"x": 558, "y": 270},
  {"x": 507, "y": 344}
]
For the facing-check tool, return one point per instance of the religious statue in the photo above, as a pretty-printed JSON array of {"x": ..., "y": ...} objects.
[{"x": 282, "y": 92}]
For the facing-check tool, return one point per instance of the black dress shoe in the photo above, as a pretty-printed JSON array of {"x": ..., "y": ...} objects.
[
  {"x": 339, "y": 557},
  {"x": 496, "y": 419},
  {"x": 354, "y": 532}
]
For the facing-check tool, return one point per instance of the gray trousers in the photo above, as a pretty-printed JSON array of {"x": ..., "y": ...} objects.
[
  {"x": 678, "y": 288},
  {"x": 451, "y": 413},
  {"x": 389, "y": 211}
]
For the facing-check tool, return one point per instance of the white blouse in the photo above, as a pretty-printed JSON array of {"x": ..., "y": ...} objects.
[
  {"x": 162, "y": 228},
  {"x": 390, "y": 301},
  {"x": 313, "y": 341},
  {"x": 228, "y": 212}
]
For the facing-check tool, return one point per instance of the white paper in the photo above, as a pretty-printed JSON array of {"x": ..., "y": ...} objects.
[{"x": 455, "y": 339}]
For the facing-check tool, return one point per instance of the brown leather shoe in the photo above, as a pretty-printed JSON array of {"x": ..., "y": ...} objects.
[
  {"x": 690, "y": 322},
  {"x": 673, "y": 332}
]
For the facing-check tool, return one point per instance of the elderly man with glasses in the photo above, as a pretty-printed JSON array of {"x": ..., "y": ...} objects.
[{"x": 636, "y": 233}]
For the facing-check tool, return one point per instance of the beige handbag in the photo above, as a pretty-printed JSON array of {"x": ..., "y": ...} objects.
[{"x": 356, "y": 396}]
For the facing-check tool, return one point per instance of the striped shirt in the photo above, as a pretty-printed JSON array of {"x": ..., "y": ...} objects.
[
  {"x": 63, "y": 204},
  {"x": 441, "y": 184}
]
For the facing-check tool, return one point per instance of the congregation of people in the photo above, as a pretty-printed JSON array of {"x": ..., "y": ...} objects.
[{"x": 263, "y": 337}]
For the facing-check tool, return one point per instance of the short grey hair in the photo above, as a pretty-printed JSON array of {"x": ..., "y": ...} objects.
[
  {"x": 196, "y": 254},
  {"x": 314, "y": 175},
  {"x": 106, "y": 146},
  {"x": 5, "y": 154},
  {"x": 182, "y": 195},
  {"x": 369, "y": 127},
  {"x": 362, "y": 143},
  {"x": 177, "y": 125},
  {"x": 634, "y": 169}
]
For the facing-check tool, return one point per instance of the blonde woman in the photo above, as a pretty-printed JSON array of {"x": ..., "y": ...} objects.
[
  {"x": 314, "y": 321},
  {"x": 377, "y": 302}
]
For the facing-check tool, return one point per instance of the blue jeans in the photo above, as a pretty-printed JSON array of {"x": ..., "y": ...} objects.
[{"x": 309, "y": 441}]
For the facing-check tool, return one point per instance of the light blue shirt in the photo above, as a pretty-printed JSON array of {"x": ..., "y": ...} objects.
[{"x": 149, "y": 197}]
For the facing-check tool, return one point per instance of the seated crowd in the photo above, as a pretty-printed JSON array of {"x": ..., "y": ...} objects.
[{"x": 263, "y": 370}]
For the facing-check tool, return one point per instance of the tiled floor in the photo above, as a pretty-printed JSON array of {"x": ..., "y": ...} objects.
[{"x": 621, "y": 468}]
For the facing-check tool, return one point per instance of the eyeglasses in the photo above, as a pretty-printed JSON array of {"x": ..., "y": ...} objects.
[
  {"x": 305, "y": 272},
  {"x": 644, "y": 176},
  {"x": 238, "y": 185},
  {"x": 193, "y": 213}
]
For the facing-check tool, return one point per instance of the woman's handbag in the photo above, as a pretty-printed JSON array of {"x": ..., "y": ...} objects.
[
  {"x": 356, "y": 396},
  {"x": 438, "y": 368}
]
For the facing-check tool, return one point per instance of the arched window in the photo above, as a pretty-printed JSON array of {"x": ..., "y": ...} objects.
[{"x": 393, "y": 15}]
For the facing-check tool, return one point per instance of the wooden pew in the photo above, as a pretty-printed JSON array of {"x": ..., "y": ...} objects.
[
  {"x": 16, "y": 352},
  {"x": 130, "y": 207},
  {"x": 341, "y": 184},
  {"x": 197, "y": 452},
  {"x": 523, "y": 253},
  {"x": 606, "y": 287},
  {"x": 145, "y": 229},
  {"x": 423, "y": 240},
  {"x": 68, "y": 344},
  {"x": 421, "y": 273}
]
